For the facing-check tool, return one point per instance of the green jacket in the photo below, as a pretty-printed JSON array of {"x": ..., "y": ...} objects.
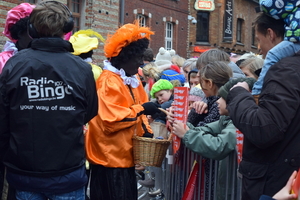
[
  {"x": 217, "y": 141},
  {"x": 214, "y": 140}
]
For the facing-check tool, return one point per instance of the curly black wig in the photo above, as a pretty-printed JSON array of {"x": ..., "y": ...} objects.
[
  {"x": 19, "y": 28},
  {"x": 134, "y": 49},
  {"x": 86, "y": 55}
]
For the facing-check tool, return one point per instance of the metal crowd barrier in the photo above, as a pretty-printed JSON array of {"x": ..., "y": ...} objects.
[{"x": 217, "y": 180}]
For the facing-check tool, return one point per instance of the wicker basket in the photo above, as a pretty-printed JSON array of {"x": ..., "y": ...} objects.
[{"x": 149, "y": 151}]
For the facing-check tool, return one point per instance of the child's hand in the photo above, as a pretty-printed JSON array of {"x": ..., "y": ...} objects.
[
  {"x": 200, "y": 107},
  {"x": 179, "y": 128},
  {"x": 241, "y": 84},
  {"x": 170, "y": 115},
  {"x": 284, "y": 193}
]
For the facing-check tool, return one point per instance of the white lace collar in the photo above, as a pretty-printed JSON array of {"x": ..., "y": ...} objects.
[{"x": 133, "y": 81}]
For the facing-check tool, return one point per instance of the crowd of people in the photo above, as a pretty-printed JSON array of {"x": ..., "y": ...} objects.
[{"x": 67, "y": 123}]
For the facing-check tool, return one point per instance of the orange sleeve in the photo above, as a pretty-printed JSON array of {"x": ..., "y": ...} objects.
[{"x": 117, "y": 108}]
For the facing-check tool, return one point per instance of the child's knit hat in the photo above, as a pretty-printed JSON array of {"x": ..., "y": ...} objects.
[
  {"x": 171, "y": 75},
  {"x": 161, "y": 84},
  {"x": 223, "y": 91},
  {"x": 164, "y": 57},
  {"x": 196, "y": 94}
]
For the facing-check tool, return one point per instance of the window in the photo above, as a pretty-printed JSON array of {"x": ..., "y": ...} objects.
[
  {"x": 169, "y": 36},
  {"x": 74, "y": 6},
  {"x": 239, "y": 30},
  {"x": 202, "y": 34},
  {"x": 142, "y": 20}
]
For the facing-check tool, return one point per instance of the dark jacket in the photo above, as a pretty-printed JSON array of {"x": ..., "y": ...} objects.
[
  {"x": 46, "y": 96},
  {"x": 271, "y": 129},
  {"x": 212, "y": 115}
]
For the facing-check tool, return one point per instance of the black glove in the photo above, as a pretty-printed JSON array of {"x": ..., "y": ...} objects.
[
  {"x": 148, "y": 135},
  {"x": 150, "y": 108}
]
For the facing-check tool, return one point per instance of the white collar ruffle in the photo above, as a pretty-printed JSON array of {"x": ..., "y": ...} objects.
[
  {"x": 132, "y": 81},
  {"x": 10, "y": 46}
]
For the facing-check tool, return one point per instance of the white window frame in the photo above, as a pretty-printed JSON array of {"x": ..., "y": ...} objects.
[
  {"x": 169, "y": 36},
  {"x": 142, "y": 20}
]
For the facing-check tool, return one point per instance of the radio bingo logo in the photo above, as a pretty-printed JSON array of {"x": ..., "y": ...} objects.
[{"x": 43, "y": 89}]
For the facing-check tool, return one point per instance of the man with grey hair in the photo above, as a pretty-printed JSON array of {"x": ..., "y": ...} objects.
[{"x": 187, "y": 66}]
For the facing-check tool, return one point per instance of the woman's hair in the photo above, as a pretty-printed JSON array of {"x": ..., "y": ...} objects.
[
  {"x": 244, "y": 57},
  {"x": 211, "y": 56},
  {"x": 134, "y": 49},
  {"x": 151, "y": 70},
  {"x": 178, "y": 60},
  {"x": 18, "y": 28},
  {"x": 218, "y": 71},
  {"x": 252, "y": 64},
  {"x": 49, "y": 19},
  {"x": 191, "y": 62}
]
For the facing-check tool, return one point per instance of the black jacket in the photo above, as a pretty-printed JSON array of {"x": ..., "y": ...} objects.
[
  {"x": 46, "y": 96},
  {"x": 271, "y": 129}
]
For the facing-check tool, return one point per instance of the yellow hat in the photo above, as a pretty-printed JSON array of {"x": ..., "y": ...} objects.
[
  {"x": 82, "y": 41},
  {"x": 83, "y": 44}
]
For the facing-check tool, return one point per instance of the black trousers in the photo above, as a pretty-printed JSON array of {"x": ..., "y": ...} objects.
[{"x": 112, "y": 183}]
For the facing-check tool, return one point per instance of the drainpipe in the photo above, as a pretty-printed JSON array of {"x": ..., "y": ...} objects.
[{"x": 121, "y": 13}]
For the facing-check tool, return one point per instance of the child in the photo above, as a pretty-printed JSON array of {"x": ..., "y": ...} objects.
[
  {"x": 196, "y": 94},
  {"x": 162, "y": 90},
  {"x": 250, "y": 65},
  {"x": 214, "y": 140},
  {"x": 193, "y": 78},
  {"x": 212, "y": 76}
]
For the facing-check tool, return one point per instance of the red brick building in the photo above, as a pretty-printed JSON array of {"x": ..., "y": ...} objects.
[
  {"x": 167, "y": 18},
  {"x": 227, "y": 26},
  {"x": 177, "y": 23},
  {"x": 101, "y": 16}
]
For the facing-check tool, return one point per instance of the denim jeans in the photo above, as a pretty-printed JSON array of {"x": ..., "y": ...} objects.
[{"x": 74, "y": 195}]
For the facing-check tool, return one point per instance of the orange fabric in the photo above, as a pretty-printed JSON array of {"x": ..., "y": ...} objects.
[
  {"x": 125, "y": 35},
  {"x": 108, "y": 140}
]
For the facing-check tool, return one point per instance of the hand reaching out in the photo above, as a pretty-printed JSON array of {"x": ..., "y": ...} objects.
[
  {"x": 170, "y": 115},
  {"x": 284, "y": 193},
  {"x": 200, "y": 107},
  {"x": 179, "y": 128}
]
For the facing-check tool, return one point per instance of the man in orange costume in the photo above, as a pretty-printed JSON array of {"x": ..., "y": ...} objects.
[{"x": 122, "y": 109}]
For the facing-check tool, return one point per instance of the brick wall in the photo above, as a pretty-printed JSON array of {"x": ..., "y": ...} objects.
[
  {"x": 172, "y": 11},
  {"x": 101, "y": 16},
  {"x": 243, "y": 9}
]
